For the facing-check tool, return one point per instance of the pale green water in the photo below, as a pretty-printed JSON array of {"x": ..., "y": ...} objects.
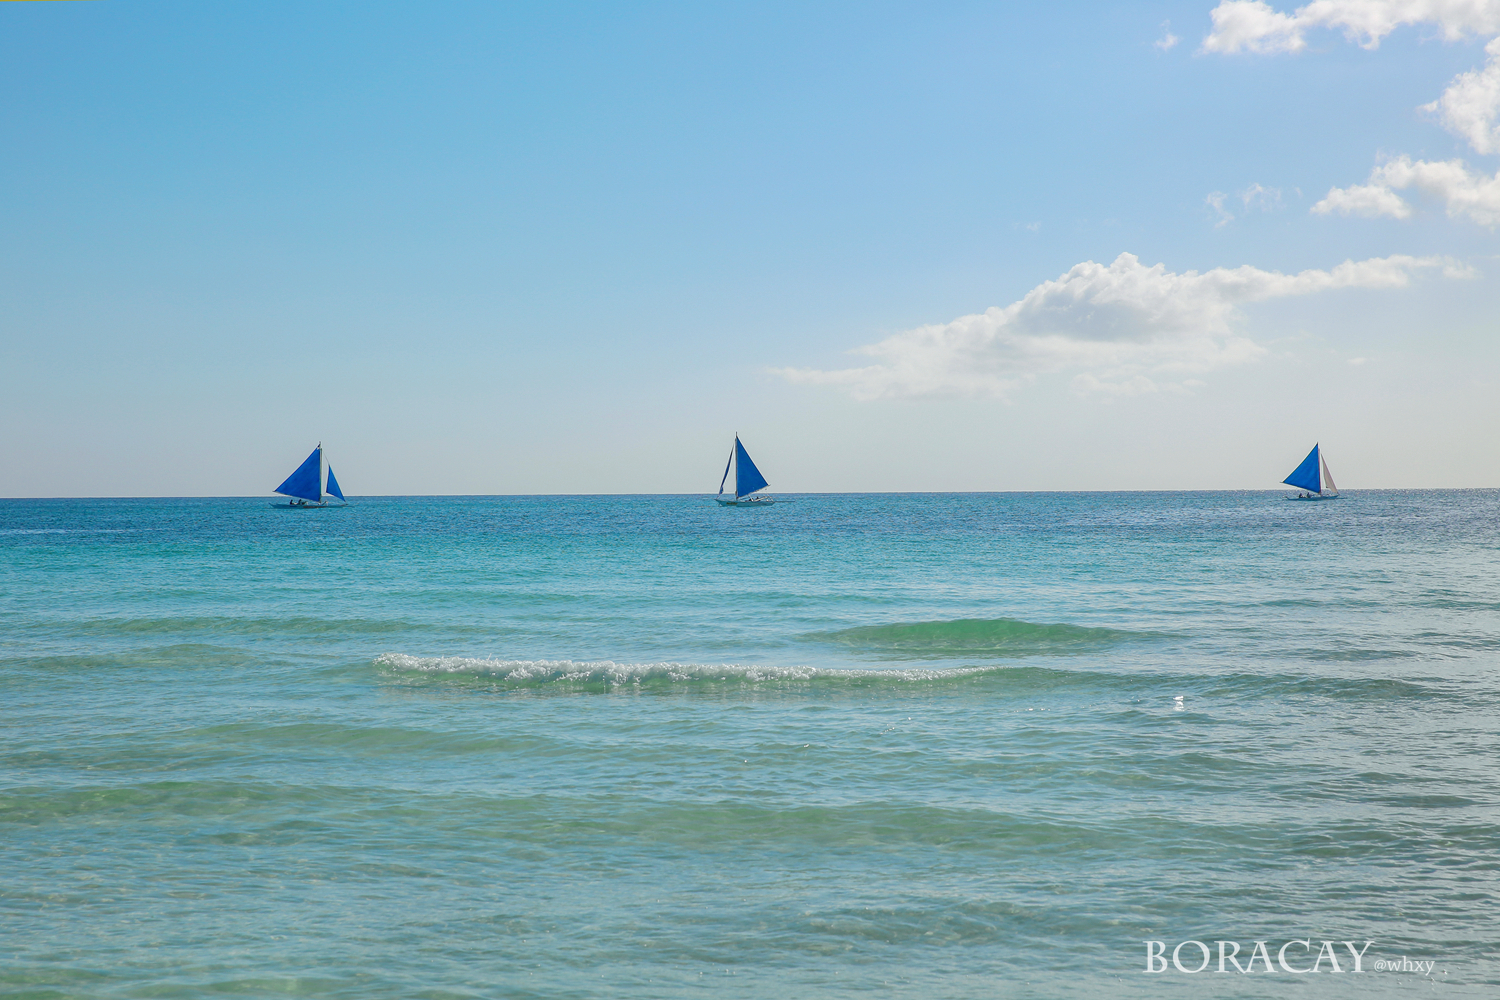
[{"x": 904, "y": 746}]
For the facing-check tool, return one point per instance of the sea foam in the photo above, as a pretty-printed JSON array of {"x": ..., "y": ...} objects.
[{"x": 611, "y": 673}]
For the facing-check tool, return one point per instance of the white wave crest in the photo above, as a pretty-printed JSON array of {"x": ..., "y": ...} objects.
[{"x": 611, "y": 673}]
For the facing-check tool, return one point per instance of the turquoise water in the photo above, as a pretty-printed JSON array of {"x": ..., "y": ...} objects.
[{"x": 895, "y": 746}]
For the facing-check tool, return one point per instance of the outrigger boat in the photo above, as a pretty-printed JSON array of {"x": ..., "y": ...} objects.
[
  {"x": 305, "y": 486},
  {"x": 1313, "y": 479},
  {"x": 747, "y": 480}
]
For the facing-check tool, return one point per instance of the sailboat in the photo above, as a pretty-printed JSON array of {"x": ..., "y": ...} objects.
[
  {"x": 747, "y": 480},
  {"x": 1313, "y": 478},
  {"x": 305, "y": 486}
]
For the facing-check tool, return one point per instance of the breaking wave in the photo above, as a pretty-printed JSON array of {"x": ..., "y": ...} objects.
[{"x": 607, "y": 673}]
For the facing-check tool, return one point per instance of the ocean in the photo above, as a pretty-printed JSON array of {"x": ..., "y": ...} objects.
[{"x": 917, "y": 745}]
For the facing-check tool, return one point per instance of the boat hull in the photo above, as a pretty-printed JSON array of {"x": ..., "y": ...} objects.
[
  {"x": 1331, "y": 496},
  {"x": 304, "y": 506},
  {"x": 746, "y": 502}
]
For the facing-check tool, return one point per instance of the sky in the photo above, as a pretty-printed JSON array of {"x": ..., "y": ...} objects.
[{"x": 476, "y": 248}]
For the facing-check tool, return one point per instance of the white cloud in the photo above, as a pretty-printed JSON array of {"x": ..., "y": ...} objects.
[
  {"x": 1465, "y": 194},
  {"x": 1125, "y": 329},
  {"x": 1255, "y": 26},
  {"x": 1470, "y": 104},
  {"x": 1167, "y": 40},
  {"x": 1261, "y": 198},
  {"x": 1252, "y": 25},
  {"x": 1255, "y": 198},
  {"x": 1215, "y": 201},
  {"x": 1371, "y": 200}
]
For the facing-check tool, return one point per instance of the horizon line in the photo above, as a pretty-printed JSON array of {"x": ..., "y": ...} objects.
[{"x": 822, "y": 493}]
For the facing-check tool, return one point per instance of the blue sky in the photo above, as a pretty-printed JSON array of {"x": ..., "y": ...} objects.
[{"x": 476, "y": 248}]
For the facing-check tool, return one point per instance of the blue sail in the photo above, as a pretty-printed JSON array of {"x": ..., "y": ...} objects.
[
  {"x": 333, "y": 484},
  {"x": 747, "y": 478},
  {"x": 1305, "y": 476},
  {"x": 307, "y": 482}
]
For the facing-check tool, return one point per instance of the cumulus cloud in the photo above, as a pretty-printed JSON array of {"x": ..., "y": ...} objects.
[
  {"x": 1469, "y": 106},
  {"x": 1168, "y": 40},
  {"x": 1255, "y": 26},
  {"x": 1465, "y": 194},
  {"x": 1124, "y": 329},
  {"x": 1370, "y": 200}
]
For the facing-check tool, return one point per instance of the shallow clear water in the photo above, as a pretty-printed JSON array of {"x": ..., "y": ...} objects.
[{"x": 920, "y": 746}]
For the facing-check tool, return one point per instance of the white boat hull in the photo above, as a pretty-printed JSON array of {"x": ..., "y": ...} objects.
[{"x": 746, "y": 502}]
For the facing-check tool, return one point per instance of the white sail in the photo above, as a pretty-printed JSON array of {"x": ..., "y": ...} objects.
[{"x": 1329, "y": 486}]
